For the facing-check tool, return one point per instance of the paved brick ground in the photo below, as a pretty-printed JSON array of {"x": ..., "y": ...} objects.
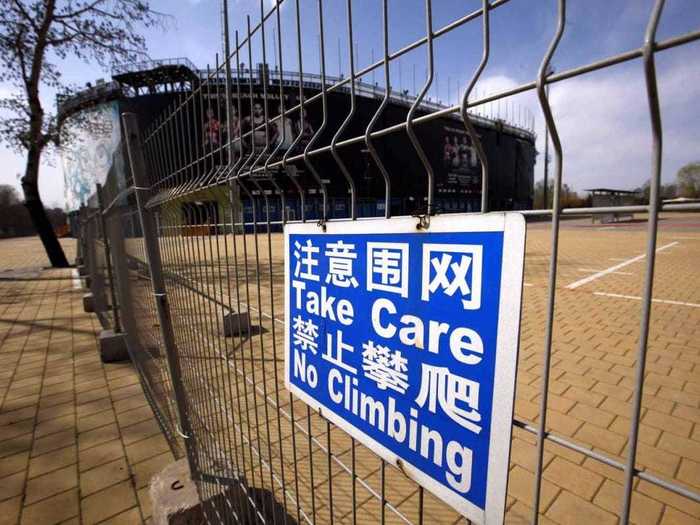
[
  {"x": 27, "y": 252},
  {"x": 78, "y": 441},
  {"x": 591, "y": 387},
  {"x": 592, "y": 372}
]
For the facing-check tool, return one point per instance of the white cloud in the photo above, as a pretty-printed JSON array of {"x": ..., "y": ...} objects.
[
  {"x": 604, "y": 126},
  {"x": 495, "y": 84}
]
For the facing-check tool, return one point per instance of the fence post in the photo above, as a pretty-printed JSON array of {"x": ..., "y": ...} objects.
[
  {"x": 150, "y": 238},
  {"x": 89, "y": 302},
  {"x": 108, "y": 260}
]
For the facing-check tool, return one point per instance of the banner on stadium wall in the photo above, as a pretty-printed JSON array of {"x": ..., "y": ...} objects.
[
  {"x": 88, "y": 151},
  {"x": 407, "y": 339}
]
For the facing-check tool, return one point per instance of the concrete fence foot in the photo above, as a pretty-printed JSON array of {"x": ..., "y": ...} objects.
[
  {"x": 112, "y": 346},
  {"x": 236, "y": 323},
  {"x": 88, "y": 303},
  {"x": 174, "y": 496},
  {"x": 175, "y": 501}
]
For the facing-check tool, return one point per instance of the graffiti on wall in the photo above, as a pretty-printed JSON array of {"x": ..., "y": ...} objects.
[{"x": 88, "y": 151}]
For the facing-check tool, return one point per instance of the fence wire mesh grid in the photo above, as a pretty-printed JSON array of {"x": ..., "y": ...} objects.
[{"x": 606, "y": 413}]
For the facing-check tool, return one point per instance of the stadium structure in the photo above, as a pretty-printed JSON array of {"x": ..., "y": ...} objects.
[{"x": 95, "y": 153}]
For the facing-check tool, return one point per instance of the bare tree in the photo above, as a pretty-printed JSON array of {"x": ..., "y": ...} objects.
[
  {"x": 688, "y": 179},
  {"x": 35, "y": 36}
]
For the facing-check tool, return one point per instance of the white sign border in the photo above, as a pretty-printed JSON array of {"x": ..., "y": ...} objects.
[{"x": 513, "y": 226}]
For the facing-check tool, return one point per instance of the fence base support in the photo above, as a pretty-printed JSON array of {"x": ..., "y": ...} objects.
[
  {"x": 88, "y": 303},
  {"x": 236, "y": 323},
  {"x": 175, "y": 501},
  {"x": 174, "y": 496},
  {"x": 112, "y": 346}
]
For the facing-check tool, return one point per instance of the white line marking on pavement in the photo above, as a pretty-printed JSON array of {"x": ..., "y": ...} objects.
[
  {"x": 636, "y": 298},
  {"x": 601, "y": 273},
  {"x": 589, "y": 270},
  {"x": 528, "y": 284}
]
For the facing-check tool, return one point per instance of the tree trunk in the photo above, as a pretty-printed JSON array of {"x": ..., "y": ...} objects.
[{"x": 33, "y": 203}]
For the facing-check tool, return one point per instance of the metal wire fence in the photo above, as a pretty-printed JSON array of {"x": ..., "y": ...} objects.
[
  {"x": 195, "y": 239},
  {"x": 111, "y": 252}
]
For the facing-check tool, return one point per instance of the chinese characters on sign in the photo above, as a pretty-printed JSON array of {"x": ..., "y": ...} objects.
[{"x": 408, "y": 341}]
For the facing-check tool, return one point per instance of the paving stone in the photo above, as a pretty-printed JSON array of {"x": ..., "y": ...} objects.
[
  {"x": 52, "y": 510},
  {"x": 9, "y": 510},
  {"x": 103, "y": 476},
  {"x": 100, "y": 419},
  {"x": 20, "y": 428},
  {"x": 675, "y": 517},
  {"x": 92, "y": 395},
  {"x": 50, "y": 484},
  {"x": 126, "y": 391},
  {"x": 15, "y": 416},
  {"x": 570, "y": 509},
  {"x": 13, "y": 464},
  {"x": 128, "y": 517},
  {"x": 577, "y": 480},
  {"x": 94, "y": 407},
  {"x": 689, "y": 472},
  {"x": 679, "y": 445},
  {"x": 108, "y": 503},
  {"x": 145, "y": 470},
  {"x": 129, "y": 403},
  {"x": 53, "y": 442},
  {"x": 139, "y": 431},
  {"x": 601, "y": 438},
  {"x": 57, "y": 399},
  {"x": 593, "y": 415},
  {"x": 65, "y": 409},
  {"x": 520, "y": 486},
  {"x": 56, "y": 459},
  {"x": 674, "y": 425},
  {"x": 12, "y": 485},
  {"x": 103, "y": 453},
  {"x": 669, "y": 498},
  {"x": 147, "y": 448},
  {"x": 657, "y": 460},
  {"x": 131, "y": 417},
  {"x": 97, "y": 436},
  {"x": 15, "y": 445},
  {"x": 144, "y": 498},
  {"x": 643, "y": 510},
  {"x": 52, "y": 426}
]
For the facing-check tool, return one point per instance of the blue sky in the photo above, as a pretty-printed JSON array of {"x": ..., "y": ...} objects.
[{"x": 602, "y": 116}]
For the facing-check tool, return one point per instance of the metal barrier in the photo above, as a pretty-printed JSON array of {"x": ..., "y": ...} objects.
[
  {"x": 199, "y": 276},
  {"x": 112, "y": 257}
]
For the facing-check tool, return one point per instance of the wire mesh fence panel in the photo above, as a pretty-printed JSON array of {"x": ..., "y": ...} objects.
[
  {"x": 242, "y": 152},
  {"x": 95, "y": 263},
  {"x": 132, "y": 307}
]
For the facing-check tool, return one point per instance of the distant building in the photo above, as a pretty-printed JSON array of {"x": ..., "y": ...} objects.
[{"x": 95, "y": 153}]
